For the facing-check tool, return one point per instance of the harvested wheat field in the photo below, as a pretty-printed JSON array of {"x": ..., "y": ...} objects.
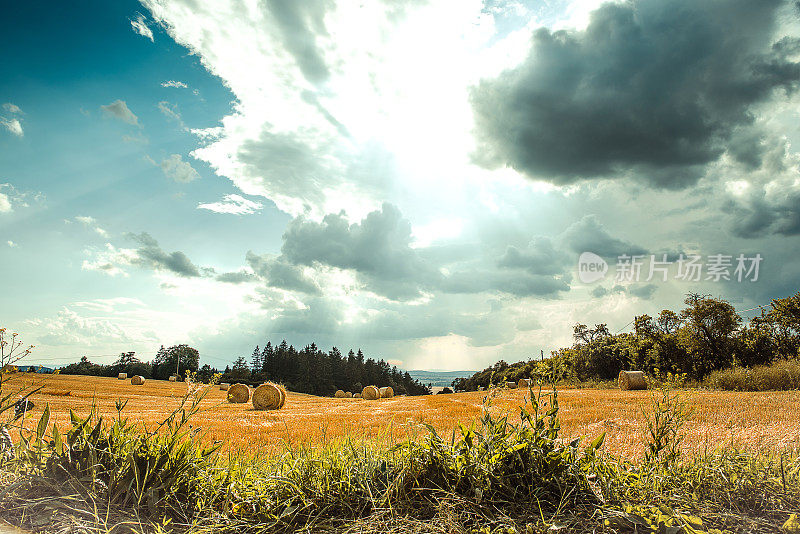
[{"x": 751, "y": 421}]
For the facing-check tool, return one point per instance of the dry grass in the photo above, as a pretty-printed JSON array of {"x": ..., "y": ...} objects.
[{"x": 768, "y": 421}]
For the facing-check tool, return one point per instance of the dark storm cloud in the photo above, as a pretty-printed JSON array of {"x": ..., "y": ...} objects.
[
  {"x": 519, "y": 284},
  {"x": 652, "y": 90},
  {"x": 299, "y": 24},
  {"x": 588, "y": 235},
  {"x": 541, "y": 257},
  {"x": 759, "y": 215},
  {"x": 236, "y": 277},
  {"x": 151, "y": 255},
  {"x": 281, "y": 274},
  {"x": 377, "y": 248},
  {"x": 642, "y": 291}
]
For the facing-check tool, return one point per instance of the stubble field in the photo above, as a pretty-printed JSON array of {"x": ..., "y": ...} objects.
[{"x": 750, "y": 421}]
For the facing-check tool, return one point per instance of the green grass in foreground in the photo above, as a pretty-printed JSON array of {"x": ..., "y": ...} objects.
[{"x": 492, "y": 477}]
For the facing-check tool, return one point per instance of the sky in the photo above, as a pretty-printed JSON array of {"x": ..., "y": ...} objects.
[{"x": 441, "y": 183}]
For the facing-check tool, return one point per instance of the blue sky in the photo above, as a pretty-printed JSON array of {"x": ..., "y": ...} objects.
[{"x": 417, "y": 179}]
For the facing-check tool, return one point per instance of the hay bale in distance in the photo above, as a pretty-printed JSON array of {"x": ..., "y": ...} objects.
[
  {"x": 356, "y": 395},
  {"x": 224, "y": 386},
  {"x": 525, "y": 382},
  {"x": 122, "y": 376},
  {"x": 387, "y": 392},
  {"x": 238, "y": 393},
  {"x": 137, "y": 380},
  {"x": 269, "y": 396},
  {"x": 370, "y": 393},
  {"x": 339, "y": 394},
  {"x": 630, "y": 380},
  {"x": 511, "y": 385},
  {"x": 348, "y": 395},
  {"x": 173, "y": 378}
]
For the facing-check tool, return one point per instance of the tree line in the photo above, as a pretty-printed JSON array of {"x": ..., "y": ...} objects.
[
  {"x": 309, "y": 370},
  {"x": 317, "y": 372},
  {"x": 707, "y": 335},
  {"x": 175, "y": 360}
]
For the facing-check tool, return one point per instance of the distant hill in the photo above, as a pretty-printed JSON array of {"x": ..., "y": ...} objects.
[{"x": 439, "y": 378}]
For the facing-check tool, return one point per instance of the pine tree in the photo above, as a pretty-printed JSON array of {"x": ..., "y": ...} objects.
[
  {"x": 267, "y": 360},
  {"x": 255, "y": 362},
  {"x": 314, "y": 371},
  {"x": 240, "y": 369}
]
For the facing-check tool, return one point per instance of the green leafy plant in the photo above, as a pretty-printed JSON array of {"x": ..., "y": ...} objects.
[{"x": 664, "y": 425}]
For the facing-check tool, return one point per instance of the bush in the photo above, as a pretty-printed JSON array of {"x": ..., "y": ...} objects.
[
  {"x": 492, "y": 477},
  {"x": 781, "y": 375}
]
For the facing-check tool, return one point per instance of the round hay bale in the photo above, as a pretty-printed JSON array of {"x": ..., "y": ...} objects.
[
  {"x": 525, "y": 382},
  {"x": 370, "y": 393},
  {"x": 238, "y": 393},
  {"x": 356, "y": 395},
  {"x": 122, "y": 376},
  {"x": 224, "y": 386},
  {"x": 629, "y": 380},
  {"x": 173, "y": 378},
  {"x": 283, "y": 396},
  {"x": 339, "y": 394},
  {"x": 348, "y": 395},
  {"x": 511, "y": 385},
  {"x": 137, "y": 380},
  {"x": 268, "y": 396},
  {"x": 387, "y": 392}
]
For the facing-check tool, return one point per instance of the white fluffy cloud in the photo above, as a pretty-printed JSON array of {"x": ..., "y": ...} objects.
[
  {"x": 353, "y": 117},
  {"x": 176, "y": 169},
  {"x": 232, "y": 204},
  {"x": 12, "y": 123},
  {"x": 12, "y": 108},
  {"x": 12, "y": 198},
  {"x": 5, "y": 203},
  {"x": 68, "y": 327},
  {"x": 91, "y": 223},
  {"x": 110, "y": 260},
  {"x": 174, "y": 83},
  {"x": 140, "y": 26}
]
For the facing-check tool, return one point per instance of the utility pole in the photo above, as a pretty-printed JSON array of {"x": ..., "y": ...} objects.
[{"x": 542, "y": 354}]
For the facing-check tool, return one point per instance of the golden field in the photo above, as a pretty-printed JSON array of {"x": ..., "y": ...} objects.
[{"x": 750, "y": 421}]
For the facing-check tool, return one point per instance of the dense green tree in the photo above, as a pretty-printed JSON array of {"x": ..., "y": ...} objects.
[
  {"x": 175, "y": 360},
  {"x": 709, "y": 333},
  {"x": 205, "y": 373},
  {"x": 240, "y": 370}
]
